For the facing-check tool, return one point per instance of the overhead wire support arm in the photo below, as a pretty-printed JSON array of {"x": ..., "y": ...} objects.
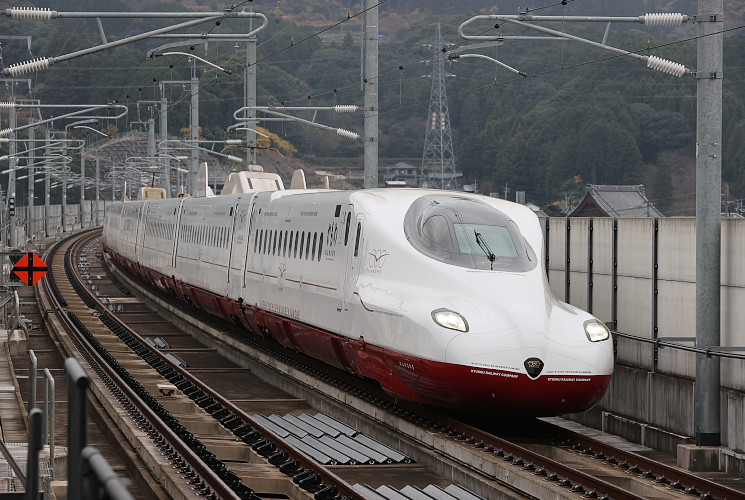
[
  {"x": 654, "y": 19},
  {"x": 77, "y": 114},
  {"x": 495, "y": 61},
  {"x": 273, "y": 110},
  {"x": 46, "y": 14}
]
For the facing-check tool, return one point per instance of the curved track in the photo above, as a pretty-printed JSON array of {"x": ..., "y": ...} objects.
[{"x": 138, "y": 371}]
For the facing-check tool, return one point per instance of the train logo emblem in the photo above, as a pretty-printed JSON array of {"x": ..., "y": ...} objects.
[
  {"x": 377, "y": 260},
  {"x": 534, "y": 367},
  {"x": 332, "y": 233}
]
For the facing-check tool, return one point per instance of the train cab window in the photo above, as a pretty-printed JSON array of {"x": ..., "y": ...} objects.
[
  {"x": 437, "y": 230},
  {"x": 468, "y": 233}
]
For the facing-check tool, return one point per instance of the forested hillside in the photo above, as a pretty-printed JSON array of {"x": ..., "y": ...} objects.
[{"x": 581, "y": 116}]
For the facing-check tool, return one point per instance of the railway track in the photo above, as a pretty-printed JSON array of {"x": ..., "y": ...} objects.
[{"x": 192, "y": 399}]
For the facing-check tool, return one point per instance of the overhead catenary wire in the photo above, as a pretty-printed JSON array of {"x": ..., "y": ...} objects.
[{"x": 402, "y": 105}]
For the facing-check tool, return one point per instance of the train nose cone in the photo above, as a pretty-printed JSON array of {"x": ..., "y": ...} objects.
[{"x": 533, "y": 366}]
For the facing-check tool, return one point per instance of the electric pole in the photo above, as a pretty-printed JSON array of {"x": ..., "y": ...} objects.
[{"x": 438, "y": 160}]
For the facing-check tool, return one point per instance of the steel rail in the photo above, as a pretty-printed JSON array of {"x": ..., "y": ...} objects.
[
  {"x": 658, "y": 472},
  {"x": 552, "y": 469},
  {"x": 205, "y": 473},
  {"x": 343, "y": 487},
  {"x": 565, "y": 476}
]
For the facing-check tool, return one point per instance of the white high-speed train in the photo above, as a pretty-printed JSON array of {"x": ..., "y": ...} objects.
[{"x": 441, "y": 297}]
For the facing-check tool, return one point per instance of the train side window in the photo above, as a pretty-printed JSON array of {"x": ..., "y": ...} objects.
[
  {"x": 357, "y": 239},
  {"x": 346, "y": 229},
  {"x": 297, "y": 239},
  {"x": 256, "y": 239},
  {"x": 289, "y": 245},
  {"x": 320, "y": 247},
  {"x": 284, "y": 244},
  {"x": 302, "y": 243},
  {"x": 274, "y": 245},
  {"x": 315, "y": 240},
  {"x": 307, "y": 247}
]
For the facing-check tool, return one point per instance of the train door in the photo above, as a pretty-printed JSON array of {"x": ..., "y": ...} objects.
[
  {"x": 140, "y": 234},
  {"x": 353, "y": 246},
  {"x": 177, "y": 211},
  {"x": 239, "y": 236},
  {"x": 252, "y": 257}
]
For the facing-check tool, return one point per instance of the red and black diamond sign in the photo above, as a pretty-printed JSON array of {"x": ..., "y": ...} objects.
[{"x": 30, "y": 268}]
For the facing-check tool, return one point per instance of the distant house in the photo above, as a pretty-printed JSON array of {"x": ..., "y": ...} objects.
[
  {"x": 615, "y": 201},
  {"x": 401, "y": 175}
]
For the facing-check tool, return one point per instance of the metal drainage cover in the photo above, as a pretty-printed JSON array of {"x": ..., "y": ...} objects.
[
  {"x": 452, "y": 492},
  {"x": 329, "y": 441}
]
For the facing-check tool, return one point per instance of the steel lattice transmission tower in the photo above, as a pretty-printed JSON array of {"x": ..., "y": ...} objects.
[{"x": 438, "y": 160}]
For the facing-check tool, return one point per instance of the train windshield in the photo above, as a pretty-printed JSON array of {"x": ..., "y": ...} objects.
[{"x": 468, "y": 233}]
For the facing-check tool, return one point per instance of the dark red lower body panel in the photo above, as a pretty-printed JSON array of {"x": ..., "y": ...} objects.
[{"x": 407, "y": 377}]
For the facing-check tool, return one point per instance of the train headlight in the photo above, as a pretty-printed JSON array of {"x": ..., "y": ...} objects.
[
  {"x": 596, "y": 330},
  {"x": 450, "y": 319}
]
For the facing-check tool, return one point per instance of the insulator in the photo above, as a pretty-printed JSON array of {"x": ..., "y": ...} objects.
[
  {"x": 234, "y": 142},
  {"x": 28, "y": 67},
  {"x": 7, "y": 105},
  {"x": 669, "y": 67},
  {"x": 5, "y": 131},
  {"x": 664, "y": 19},
  {"x": 345, "y": 108},
  {"x": 347, "y": 133},
  {"x": 30, "y": 13}
]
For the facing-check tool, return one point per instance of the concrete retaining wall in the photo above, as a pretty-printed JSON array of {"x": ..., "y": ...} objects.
[{"x": 612, "y": 269}]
